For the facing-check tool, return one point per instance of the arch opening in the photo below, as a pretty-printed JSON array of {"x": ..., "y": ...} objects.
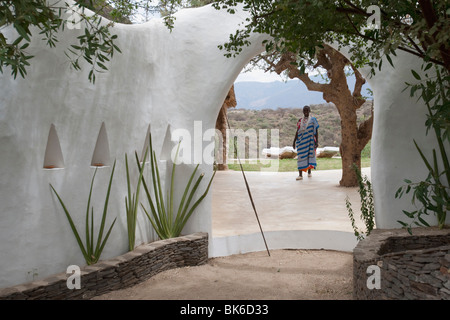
[{"x": 290, "y": 213}]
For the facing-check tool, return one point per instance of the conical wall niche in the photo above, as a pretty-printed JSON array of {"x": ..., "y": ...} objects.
[
  {"x": 101, "y": 156},
  {"x": 53, "y": 157},
  {"x": 167, "y": 146}
]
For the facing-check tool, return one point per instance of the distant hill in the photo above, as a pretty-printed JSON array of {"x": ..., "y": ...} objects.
[
  {"x": 285, "y": 120},
  {"x": 278, "y": 94}
]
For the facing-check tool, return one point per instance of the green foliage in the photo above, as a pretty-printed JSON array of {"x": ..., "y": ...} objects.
[
  {"x": 22, "y": 16},
  {"x": 367, "y": 206},
  {"x": 162, "y": 216},
  {"x": 417, "y": 27},
  {"x": 91, "y": 249},
  {"x": 132, "y": 202},
  {"x": 96, "y": 46},
  {"x": 433, "y": 193},
  {"x": 37, "y": 18},
  {"x": 434, "y": 91}
]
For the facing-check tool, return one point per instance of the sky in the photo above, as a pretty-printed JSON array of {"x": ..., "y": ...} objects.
[{"x": 259, "y": 76}]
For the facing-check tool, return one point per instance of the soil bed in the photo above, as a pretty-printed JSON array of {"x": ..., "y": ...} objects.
[{"x": 285, "y": 275}]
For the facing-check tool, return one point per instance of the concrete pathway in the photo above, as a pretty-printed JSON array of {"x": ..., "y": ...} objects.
[{"x": 312, "y": 208}]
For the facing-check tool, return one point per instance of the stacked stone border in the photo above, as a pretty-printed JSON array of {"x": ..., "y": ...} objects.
[
  {"x": 412, "y": 267},
  {"x": 120, "y": 272}
]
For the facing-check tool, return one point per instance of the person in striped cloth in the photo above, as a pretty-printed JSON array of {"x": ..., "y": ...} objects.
[{"x": 305, "y": 142}]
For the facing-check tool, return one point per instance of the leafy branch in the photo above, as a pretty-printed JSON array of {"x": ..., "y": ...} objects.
[
  {"x": 22, "y": 16},
  {"x": 367, "y": 205},
  {"x": 433, "y": 193},
  {"x": 96, "y": 45}
]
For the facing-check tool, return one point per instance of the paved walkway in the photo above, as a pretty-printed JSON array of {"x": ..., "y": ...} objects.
[{"x": 282, "y": 203}]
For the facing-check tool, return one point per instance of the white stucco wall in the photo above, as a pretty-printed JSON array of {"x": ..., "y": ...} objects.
[
  {"x": 398, "y": 121},
  {"x": 160, "y": 79}
]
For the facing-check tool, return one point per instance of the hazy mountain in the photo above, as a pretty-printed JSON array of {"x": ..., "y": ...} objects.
[{"x": 272, "y": 95}]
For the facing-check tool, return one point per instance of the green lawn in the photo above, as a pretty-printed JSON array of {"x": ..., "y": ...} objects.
[{"x": 287, "y": 165}]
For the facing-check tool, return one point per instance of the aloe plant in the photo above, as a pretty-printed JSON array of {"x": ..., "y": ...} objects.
[
  {"x": 91, "y": 249},
  {"x": 162, "y": 216},
  {"x": 132, "y": 202}
]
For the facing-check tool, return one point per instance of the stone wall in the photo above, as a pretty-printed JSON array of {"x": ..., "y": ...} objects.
[
  {"x": 121, "y": 272},
  {"x": 411, "y": 267}
]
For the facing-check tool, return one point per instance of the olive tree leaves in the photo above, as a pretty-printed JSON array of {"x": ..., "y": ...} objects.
[
  {"x": 96, "y": 46},
  {"x": 38, "y": 18}
]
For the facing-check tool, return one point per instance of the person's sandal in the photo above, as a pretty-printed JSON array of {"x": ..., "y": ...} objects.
[{"x": 299, "y": 178}]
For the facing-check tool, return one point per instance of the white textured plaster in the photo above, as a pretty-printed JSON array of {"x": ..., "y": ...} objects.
[
  {"x": 286, "y": 239},
  {"x": 161, "y": 79}
]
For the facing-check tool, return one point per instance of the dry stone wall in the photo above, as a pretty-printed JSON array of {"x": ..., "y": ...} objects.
[
  {"x": 121, "y": 272},
  {"x": 411, "y": 267}
]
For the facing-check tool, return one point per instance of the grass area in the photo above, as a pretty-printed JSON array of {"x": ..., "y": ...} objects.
[{"x": 287, "y": 165}]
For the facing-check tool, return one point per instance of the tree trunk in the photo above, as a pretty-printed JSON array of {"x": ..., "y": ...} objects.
[
  {"x": 349, "y": 148},
  {"x": 354, "y": 139},
  {"x": 222, "y": 125},
  {"x": 347, "y": 105}
]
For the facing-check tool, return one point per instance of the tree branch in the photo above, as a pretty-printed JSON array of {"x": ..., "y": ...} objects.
[
  {"x": 360, "y": 81},
  {"x": 428, "y": 12},
  {"x": 355, "y": 9},
  {"x": 416, "y": 46},
  {"x": 311, "y": 85},
  {"x": 322, "y": 59},
  {"x": 438, "y": 62},
  {"x": 287, "y": 62},
  {"x": 430, "y": 17}
]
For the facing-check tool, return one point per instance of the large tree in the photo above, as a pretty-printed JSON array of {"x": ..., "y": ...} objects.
[{"x": 417, "y": 27}]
